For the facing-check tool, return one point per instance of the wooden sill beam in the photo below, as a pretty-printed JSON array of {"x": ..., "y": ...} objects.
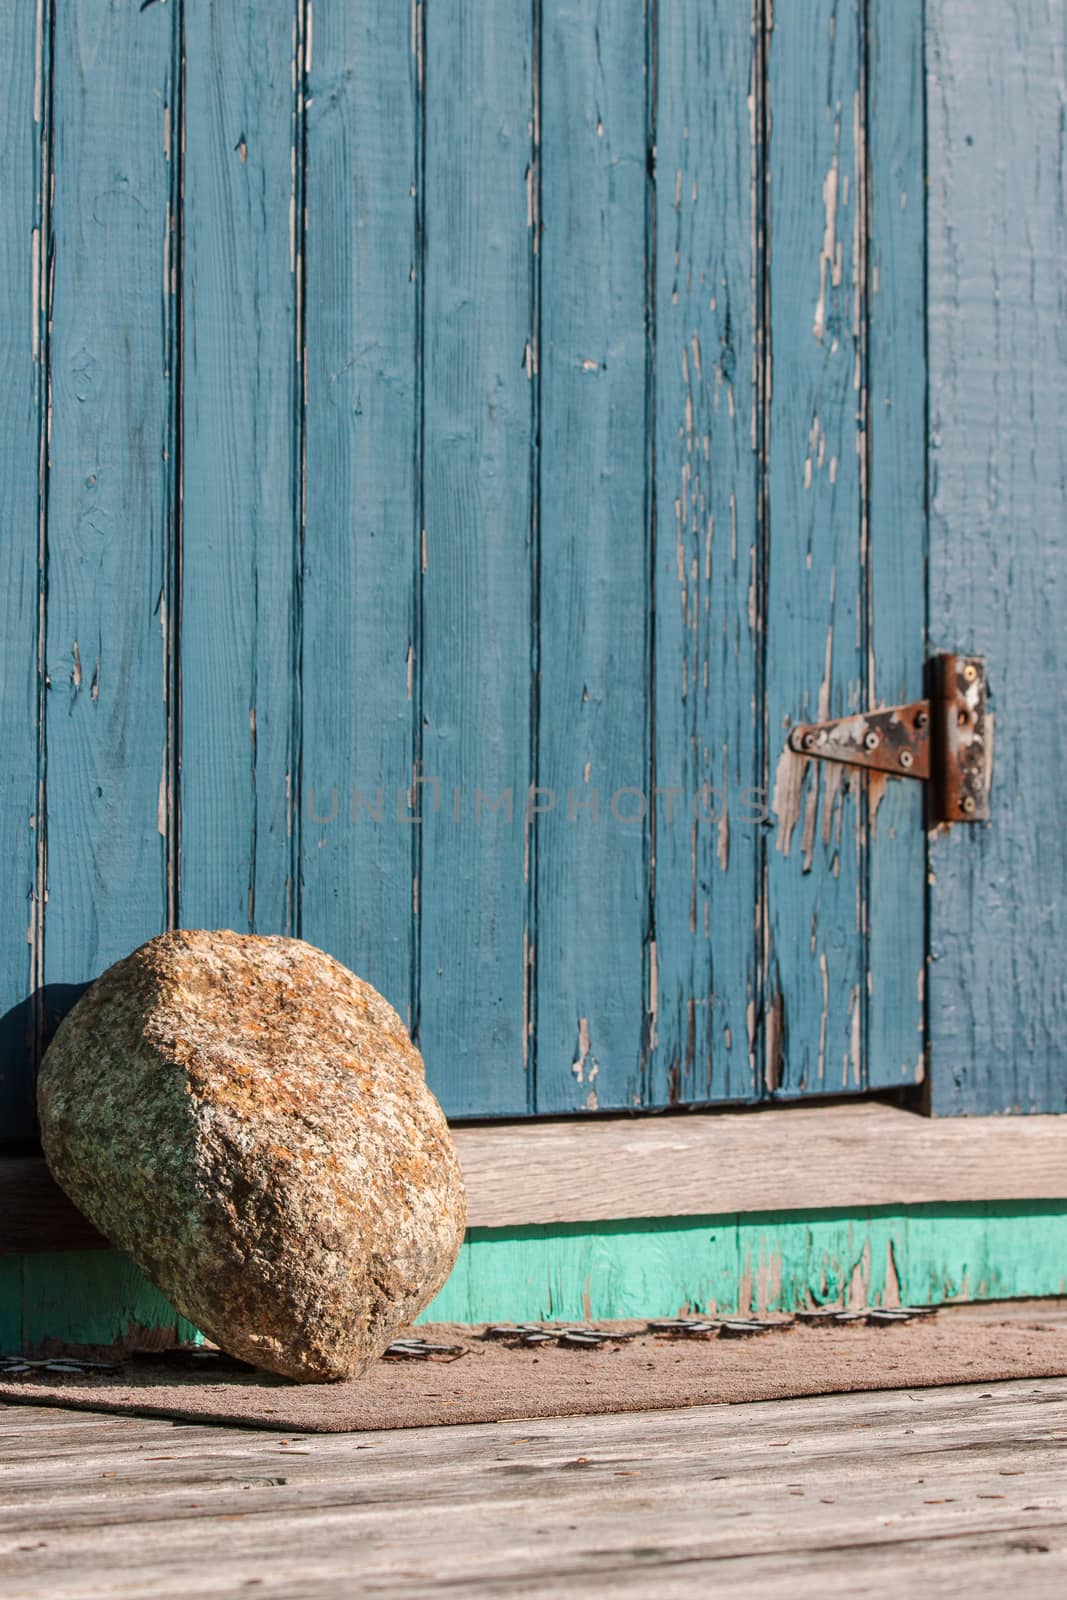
[{"x": 787, "y": 1158}]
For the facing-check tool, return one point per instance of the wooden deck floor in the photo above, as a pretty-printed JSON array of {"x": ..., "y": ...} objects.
[{"x": 938, "y": 1492}]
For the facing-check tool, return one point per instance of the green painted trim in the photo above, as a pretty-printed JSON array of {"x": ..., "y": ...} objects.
[
  {"x": 923, "y": 1255},
  {"x": 91, "y": 1297}
]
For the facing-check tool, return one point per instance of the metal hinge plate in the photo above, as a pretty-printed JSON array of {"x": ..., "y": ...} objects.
[{"x": 947, "y": 739}]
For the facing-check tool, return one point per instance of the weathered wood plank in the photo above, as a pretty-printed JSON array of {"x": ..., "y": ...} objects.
[
  {"x": 24, "y": 265},
  {"x": 241, "y": 1475},
  {"x": 707, "y": 293},
  {"x": 110, "y": 498},
  {"x": 815, "y": 584},
  {"x": 796, "y": 1160},
  {"x": 590, "y": 852},
  {"x": 238, "y": 284},
  {"x": 833, "y": 1495},
  {"x": 997, "y": 83},
  {"x": 362, "y": 288},
  {"x": 895, "y": 531},
  {"x": 474, "y": 656}
]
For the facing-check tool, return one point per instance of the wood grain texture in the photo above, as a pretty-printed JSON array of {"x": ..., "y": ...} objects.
[
  {"x": 110, "y": 496},
  {"x": 961, "y": 1488},
  {"x": 794, "y": 1159},
  {"x": 475, "y": 665},
  {"x": 895, "y": 533},
  {"x": 815, "y": 596},
  {"x": 363, "y": 288},
  {"x": 707, "y": 296},
  {"x": 997, "y": 86},
  {"x": 24, "y": 265},
  {"x": 590, "y": 852},
  {"x": 467, "y": 397},
  {"x": 239, "y": 297}
]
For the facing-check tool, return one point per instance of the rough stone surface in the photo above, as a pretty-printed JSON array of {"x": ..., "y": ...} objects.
[{"x": 249, "y": 1121}]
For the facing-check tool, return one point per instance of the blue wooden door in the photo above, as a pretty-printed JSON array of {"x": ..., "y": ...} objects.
[{"x": 445, "y": 449}]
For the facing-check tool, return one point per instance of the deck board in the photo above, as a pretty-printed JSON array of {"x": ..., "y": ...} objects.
[{"x": 853, "y": 1494}]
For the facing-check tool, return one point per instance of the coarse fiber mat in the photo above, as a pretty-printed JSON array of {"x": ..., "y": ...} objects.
[{"x": 492, "y": 1380}]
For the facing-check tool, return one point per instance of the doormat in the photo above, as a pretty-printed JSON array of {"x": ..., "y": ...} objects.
[{"x": 448, "y": 1373}]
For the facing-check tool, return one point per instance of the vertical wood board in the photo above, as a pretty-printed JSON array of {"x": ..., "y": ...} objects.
[
  {"x": 997, "y": 97},
  {"x": 896, "y": 531},
  {"x": 359, "y": 676},
  {"x": 590, "y": 850},
  {"x": 24, "y": 252},
  {"x": 475, "y": 664},
  {"x": 110, "y": 506},
  {"x": 816, "y": 590},
  {"x": 707, "y": 622},
  {"x": 238, "y": 123}
]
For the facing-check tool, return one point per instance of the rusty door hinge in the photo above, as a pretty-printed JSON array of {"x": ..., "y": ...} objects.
[{"x": 947, "y": 739}]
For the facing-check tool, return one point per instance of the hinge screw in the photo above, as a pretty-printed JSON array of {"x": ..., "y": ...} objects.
[
  {"x": 967, "y": 803},
  {"x": 970, "y": 672},
  {"x": 870, "y": 740},
  {"x": 906, "y": 758},
  {"x": 808, "y": 741},
  {"x": 922, "y": 718}
]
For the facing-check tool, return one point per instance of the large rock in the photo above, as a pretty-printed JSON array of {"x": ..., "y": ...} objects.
[{"x": 250, "y": 1123}]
